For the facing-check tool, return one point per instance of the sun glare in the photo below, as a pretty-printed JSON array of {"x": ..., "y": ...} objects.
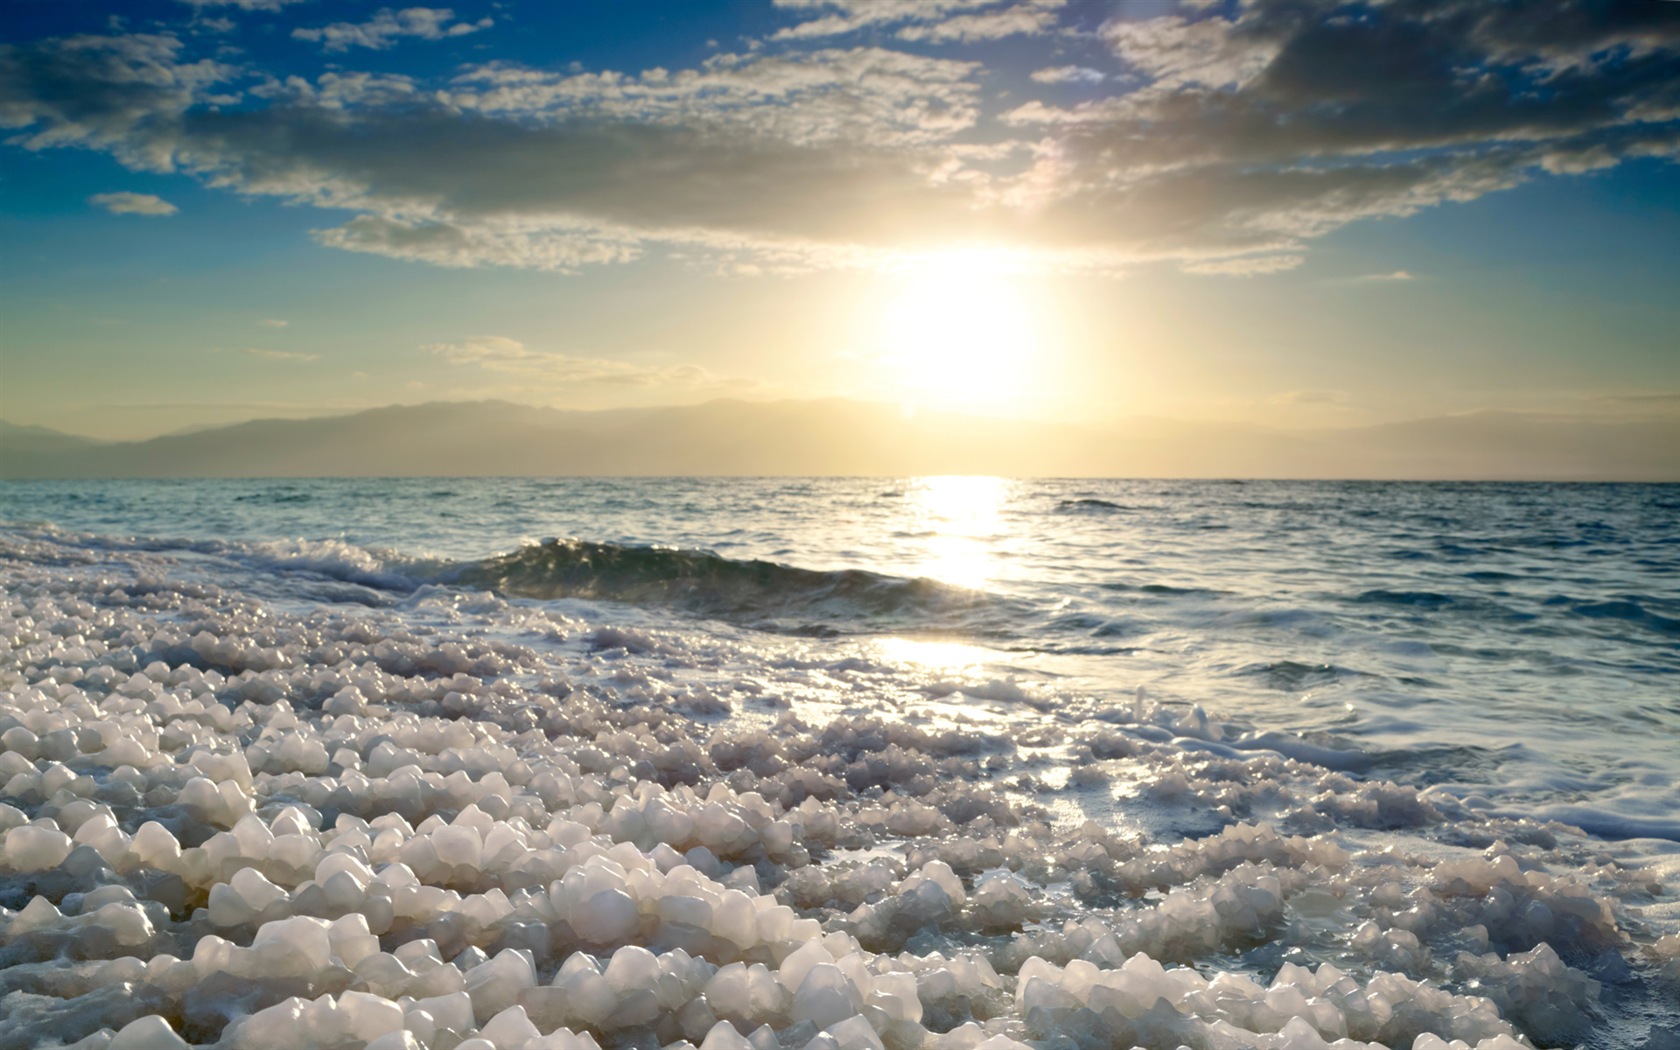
[
  {"x": 960, "y": 516},
  {"x": 961, "y": 331}
]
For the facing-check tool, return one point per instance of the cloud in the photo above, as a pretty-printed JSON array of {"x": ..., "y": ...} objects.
[
  {"x": 1224, "y": 142},
  {"x": 1311, "y": 397},
  {"x": 386, "y": 27},
  {"x": 1247, "y": 266},
  {"x": 500, "y": 354},
  {"x": 272, "y": 322},
  {"x": 126, "y": 203},
  {"x": 850, "y": 16},
  {"x": 282, "y": 355},
  {"x": 243, "y": 5},
  {"x": 1377, "y": 278},
  {"x": 1032, "y": 18},
  {"x": 1068, "y": 75},
  {"x": 1277, "y": 125},
  {"x": 1665, "y": 398}
]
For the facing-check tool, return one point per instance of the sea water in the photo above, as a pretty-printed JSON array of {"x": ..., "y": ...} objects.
[{"x": 1322, "y": 696}]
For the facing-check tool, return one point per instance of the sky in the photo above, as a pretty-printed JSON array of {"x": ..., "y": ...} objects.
[{"x": 1299, "y": 215}]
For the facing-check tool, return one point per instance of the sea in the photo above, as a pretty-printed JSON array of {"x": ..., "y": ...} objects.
[{"x": 1507, "y": 653}]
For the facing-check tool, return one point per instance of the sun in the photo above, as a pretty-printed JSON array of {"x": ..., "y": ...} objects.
[{"x": 961, "y": 329}]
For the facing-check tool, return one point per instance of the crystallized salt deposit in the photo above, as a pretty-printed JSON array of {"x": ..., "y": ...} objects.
[{"x": 468, "y": 825}]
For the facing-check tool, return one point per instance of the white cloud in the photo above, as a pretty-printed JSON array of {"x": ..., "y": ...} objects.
[
  {"x": 1174, "y": 51},
  {"x": 933, "y": 21},
  {"x": 1233, "y": 137},
  {"x": 272, "y": 322},
  {"x": 243, "y": 5},
  {"x": 1031, "y": 18},
  {"x": 866, "y": 93},
  {"x": 850, "y": 16},
  {"x": 386, "y": 27},
  {"x": 1332, "y": 398},
  {"x": 1068, "y": 75},
  {"x": 126, "y": 203},
  {"x": 500, "y": 354},
  {"x": 282, "y": 355},
  {"x": 1245, "y": 266}
]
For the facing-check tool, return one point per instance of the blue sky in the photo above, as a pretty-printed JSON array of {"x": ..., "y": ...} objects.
[{"x": 1296, "y": 215}]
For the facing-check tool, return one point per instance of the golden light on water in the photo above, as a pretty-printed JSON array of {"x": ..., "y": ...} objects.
[
  {"x": 956, "y": 520},
  {"x": 961, "y": 330},
  {"x": 934, "y": 655}
]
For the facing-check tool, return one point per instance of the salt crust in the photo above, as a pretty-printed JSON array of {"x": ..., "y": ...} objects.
[{"x": 228, "y": 826}]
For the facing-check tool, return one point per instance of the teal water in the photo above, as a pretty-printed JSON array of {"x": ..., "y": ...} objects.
[{"x": 1518, "y": 645}]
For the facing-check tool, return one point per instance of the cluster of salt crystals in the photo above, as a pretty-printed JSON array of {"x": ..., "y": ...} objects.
[{"x": 236, "y": 828}]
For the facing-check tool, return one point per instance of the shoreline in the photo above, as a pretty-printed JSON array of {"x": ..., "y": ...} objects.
[{"x": 580, "y": 798}]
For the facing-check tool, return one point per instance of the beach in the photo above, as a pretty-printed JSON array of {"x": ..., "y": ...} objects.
[{"x": 942, "y": 763}]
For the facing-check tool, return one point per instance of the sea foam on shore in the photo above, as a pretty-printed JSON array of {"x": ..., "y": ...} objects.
[{"x": 461, "y": 821}]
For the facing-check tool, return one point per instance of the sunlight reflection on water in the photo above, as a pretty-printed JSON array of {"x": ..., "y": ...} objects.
[{"x": 961, "y": 518}]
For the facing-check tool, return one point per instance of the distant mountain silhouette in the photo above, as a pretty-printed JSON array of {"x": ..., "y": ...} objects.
[{"x": 839, "y": 437}]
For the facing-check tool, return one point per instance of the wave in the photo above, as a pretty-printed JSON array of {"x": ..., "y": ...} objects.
[
  {"x": 707, "y": 583},
  {"x": 1089, "y": 504},
  {"x": 1628, "y": 611}
]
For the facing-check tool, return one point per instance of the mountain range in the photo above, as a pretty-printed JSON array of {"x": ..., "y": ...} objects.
[{"x": 840, "y": 437}]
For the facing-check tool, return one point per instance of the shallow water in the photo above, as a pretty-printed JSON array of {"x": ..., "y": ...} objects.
[{"x": 1012, "y": 742}]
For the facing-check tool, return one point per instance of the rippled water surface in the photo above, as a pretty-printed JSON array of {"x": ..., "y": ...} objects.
[{"x": 1517, "y": 643}]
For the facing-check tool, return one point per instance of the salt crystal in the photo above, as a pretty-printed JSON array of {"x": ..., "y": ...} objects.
[{"x": 151, "y": 1032}]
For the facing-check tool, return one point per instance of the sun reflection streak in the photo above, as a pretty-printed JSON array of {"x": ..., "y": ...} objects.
[
  {"x": 959, "y": 518},
  {"x": 934, "y": 655}
]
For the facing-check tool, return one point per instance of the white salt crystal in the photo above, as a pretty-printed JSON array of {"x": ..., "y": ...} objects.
[
  {"x": 824, "y": 996},
  {"x": 301, "y": 944},
  {"x": 495, "y": 985},
  {"x": 854, "y": 1033},
  {"x": 401, "y": 1039},
  {"x": 510, "y": 1030},
  {"x": 632, "y": 968},
  {"x": 723, "y": 1036},
  {"x": 34, "y": 848},
  {"x": 605, "y": 917},
  {"x": 148, "y": 1033}
]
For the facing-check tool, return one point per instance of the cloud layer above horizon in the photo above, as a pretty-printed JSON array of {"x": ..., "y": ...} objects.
[{"x": 1220, "y": 139}]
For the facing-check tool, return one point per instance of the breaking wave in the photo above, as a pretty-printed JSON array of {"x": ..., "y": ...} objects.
[{"x": 709, "y": 584}]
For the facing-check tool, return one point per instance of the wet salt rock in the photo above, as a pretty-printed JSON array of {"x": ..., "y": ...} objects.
[
  {"x": 459, "y": 846},
  {"x": 735, "y": 919},
  {"x": 347, "y": 701},
  {"x": 854, "y": 1033},
  {"x": 605, "y": 917},
  {"x": 401, "y": 1039},
  {"x": 155, "y": 846},
  {"x": 511, "y": 1029},
  {"x": 34, "y": 848},
  {"x": 38, "y": 914},
  {"x": 367, "y": 1017},
  {"x": 495, "y": 985},
  {"x": 298, "y": 945},
  {"x": 825, "y": 995},
  {"x": 1001, "y": 900},
  {"x": 894, "y": 994},
  {"x": 244, "y": 898},
  {"x": 148, "y": 1033},
  {"x": 799, "y": 962},
  {"x": 724, "y": 1036},
  {"x": 585, "y": 993},
  {"x": 632, "y": 969},
  {"x": 126, "y": 921},
  {"x": 453, "y": 1011}
]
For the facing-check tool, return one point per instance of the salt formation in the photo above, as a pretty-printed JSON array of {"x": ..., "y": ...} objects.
[{"x": 464, "y": 824}]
